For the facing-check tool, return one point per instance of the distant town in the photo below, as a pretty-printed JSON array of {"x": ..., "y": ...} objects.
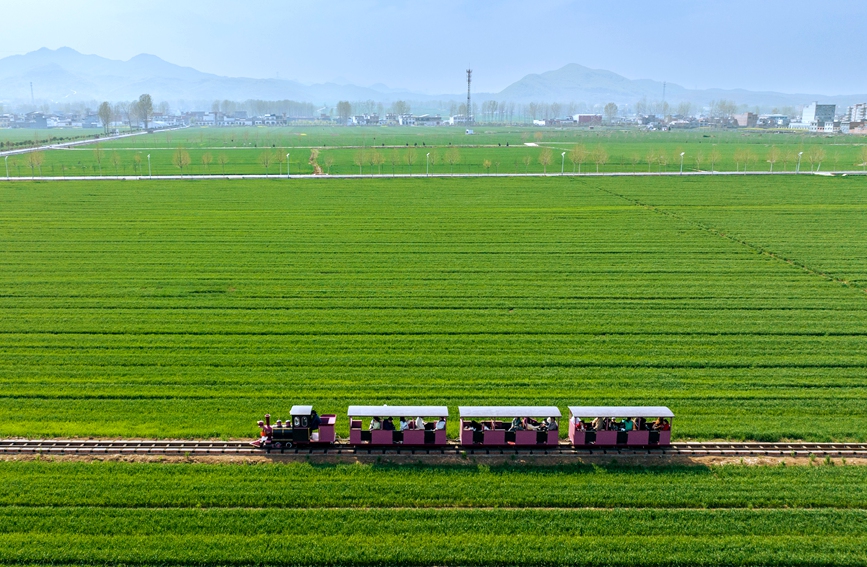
[{"x": 814, "y": 117}]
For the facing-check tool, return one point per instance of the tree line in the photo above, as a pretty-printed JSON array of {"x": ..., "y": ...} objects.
[{"x": 140, "y": 110}]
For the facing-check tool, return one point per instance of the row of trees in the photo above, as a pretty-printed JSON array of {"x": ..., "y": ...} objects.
[
  {"x": 257, "y": 107},
  {"x": 141, "y": 110}
]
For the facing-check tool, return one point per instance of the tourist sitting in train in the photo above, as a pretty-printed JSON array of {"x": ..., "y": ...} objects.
[
  {"x": 551, "y": 424},
  {"x": 638, "y": 423},
  {"x": 388, "y": 424},
  {"x": 375, "y": 424},
  {"x": 419, "y": 423},
  {"x": 659, "y": 425},
  {"x": 530, "y": 424},
  {"x": 599, "y": 424},
  {"x": 579, "y": 424},
  {"x": 441, "y": 424},
  {"x": 315, "y": 421},
  {"x": 627, "y": 425},
  {"x": 403, "y": 423},
  {"x": 517, "y": 425}
]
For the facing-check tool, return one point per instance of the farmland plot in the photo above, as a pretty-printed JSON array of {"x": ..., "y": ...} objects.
[
  {"x": 298, "y": 514},
  {"x": 187, "y": 309}
]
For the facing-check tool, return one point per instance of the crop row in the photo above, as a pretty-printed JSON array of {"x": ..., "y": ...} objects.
[
  {"x": 500, "y": 537},
  {"x": 152, "y": 485}
]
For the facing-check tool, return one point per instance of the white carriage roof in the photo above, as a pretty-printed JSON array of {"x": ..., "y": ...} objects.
[
  {"x": 397, "y": 411},
  {"x": 620, "y": 411},
  {"x": 301, "y": 410},
  {"x": 509, "y": 411}
]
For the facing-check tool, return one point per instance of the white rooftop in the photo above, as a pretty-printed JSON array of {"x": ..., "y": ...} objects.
[
  {"x": 620, "y": 411},
  {"x": 509, "y": 411},
  {"x": 301, "y": 410},
  {"x": 397, "y": 411}
]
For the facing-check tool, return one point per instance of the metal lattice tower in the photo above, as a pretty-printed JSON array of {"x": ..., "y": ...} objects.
[{"x": 469, "y": 108}]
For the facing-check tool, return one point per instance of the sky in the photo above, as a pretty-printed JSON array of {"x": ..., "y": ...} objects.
[{"x": 425, "y": 46}]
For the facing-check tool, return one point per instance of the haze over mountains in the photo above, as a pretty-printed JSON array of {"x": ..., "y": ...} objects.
[{"x": 65, "y": 75}]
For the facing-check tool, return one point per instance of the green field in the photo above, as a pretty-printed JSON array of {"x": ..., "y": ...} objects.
[
  {"x": 11, "y": 138},
  {"x": 388, "y": 151},
  {"x": 302, "y": 514},
  {"x": 189, "y": 309}
]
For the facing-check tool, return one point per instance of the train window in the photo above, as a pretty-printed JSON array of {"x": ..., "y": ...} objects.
[{"x": 296, "y": 421}]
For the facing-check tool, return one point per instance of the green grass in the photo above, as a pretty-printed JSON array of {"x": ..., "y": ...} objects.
[
  {"x": 301, "y": 514},
  {"x": 627, "y": 150},
  {"x": 188, "y": 309}
]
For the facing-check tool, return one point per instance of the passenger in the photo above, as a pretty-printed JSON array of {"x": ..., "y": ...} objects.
[
  {"x": 315, "y": 421},
  {"x": 657, "y": 425},
  {"x": 516, "y": 425},
  {"x": 441, "y": 424},
  {"x": 375, "y": 424},
  {"x": 665, "y": 425},
  {"x": 388, "y": 424},
  {"x": 530, "y": 424},
  {"x": 486, "y": 427},
  {"x": 627, "y": 425},
  {"x": 551, "y": 424},
  {"x": 638, "y": 424},
  {"x": 404, "y": 425},
  {"x": 263, "y": 435},
  {"x": 279, "y": 424},
  {"x": 598, "y": 424},
  {"x": 419, "y": 423}
]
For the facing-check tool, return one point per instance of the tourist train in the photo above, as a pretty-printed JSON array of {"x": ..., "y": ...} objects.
[{"x": 480, "y": 427}]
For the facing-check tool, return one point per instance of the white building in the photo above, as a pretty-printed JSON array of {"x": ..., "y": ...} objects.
[
  {"x": 817, "y": 118},
  {"x": 857, "y": 113}
]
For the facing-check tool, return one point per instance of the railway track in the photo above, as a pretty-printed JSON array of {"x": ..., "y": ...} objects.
[{"x": 228, "y": 448}]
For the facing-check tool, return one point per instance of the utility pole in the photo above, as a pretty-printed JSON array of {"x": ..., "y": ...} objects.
[
  {"x": 469, "y": 107},
  {"x": 32, "y": 100},
  {"x": 663, "y": 100}
]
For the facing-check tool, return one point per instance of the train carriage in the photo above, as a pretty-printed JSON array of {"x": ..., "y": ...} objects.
[
  {"x": 426, "y": 426},
  {"x": 496, "y": 425},
  {"x": 638, "y": 426}
]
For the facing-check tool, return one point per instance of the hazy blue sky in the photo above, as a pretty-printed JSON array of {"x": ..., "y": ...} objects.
[{"x": 815, "y": 46}]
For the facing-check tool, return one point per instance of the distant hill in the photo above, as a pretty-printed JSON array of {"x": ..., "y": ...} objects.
[
  {"x": 575, "y": 82},
  {"x": 67, "y": 75}
]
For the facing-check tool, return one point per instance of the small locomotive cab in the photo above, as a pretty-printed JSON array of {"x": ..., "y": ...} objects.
[
  {"x": 416, "y": 426},
  {"x": 510, "y": 425},
  {"x": 305, "y": 427},
  {"x": 639, "y": 426}
]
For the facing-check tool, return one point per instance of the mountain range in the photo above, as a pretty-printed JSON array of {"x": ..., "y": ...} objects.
[{"x": 64, "y": 74}]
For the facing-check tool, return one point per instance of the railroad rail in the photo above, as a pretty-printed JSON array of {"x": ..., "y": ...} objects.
[{"x": 95, "y": 447}]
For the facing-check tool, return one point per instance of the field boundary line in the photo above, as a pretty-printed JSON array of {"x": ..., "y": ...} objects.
[
  {"x": 234, "y": 176},
  {"x": 737, "y": 240},
  {"x": 444, "y": 508}
]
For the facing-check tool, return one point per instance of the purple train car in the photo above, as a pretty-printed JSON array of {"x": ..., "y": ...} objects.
[
  {"x": 509, "y": 425},
  {"x": 609, "y": 426},
  {"x": 416, "y": 426}
]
